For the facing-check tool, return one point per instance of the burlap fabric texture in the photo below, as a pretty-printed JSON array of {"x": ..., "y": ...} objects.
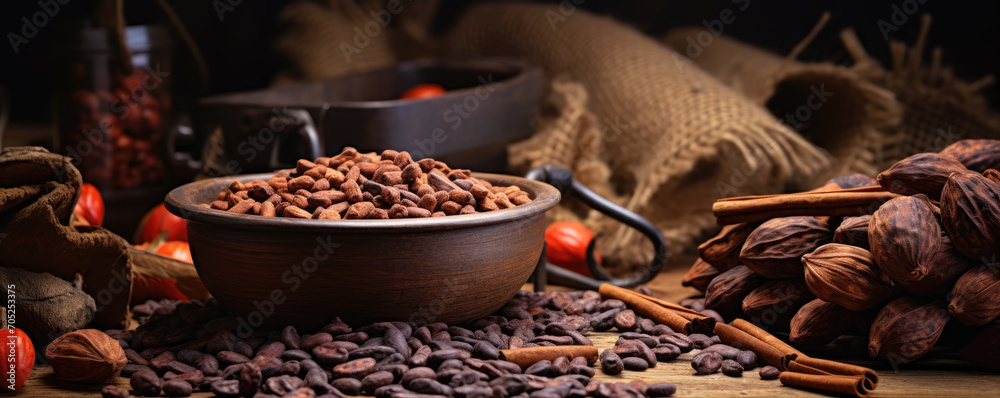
[
  {"x": 869, "y": 116},
  {"x": 661, "y": 136},
  {"x": 337, "y": 37}
]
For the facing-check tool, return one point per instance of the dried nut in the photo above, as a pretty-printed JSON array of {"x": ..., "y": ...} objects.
[
  {"x": 726, "y": 292},
  {"x": 86, "y": 355},
  {"x": 611, "y": 363},
  {"x": 846, "y": 276},
  {"x": 145, "y": 383},
  {"x": 923, "y": 173},
  {"x": 723, "y": 250},
  {"x": 906, "y": 329},
  {"x": 775, "y": 248},
  {"x": 975, "y": 300},
  {"x": 992, "y": 175},
  {"x": 700, "y": 275},
  {"x": 731, "y": 368},
  {"x": 747, "y": 359},
  {"x": 970, "y": 213},
  {"x": 769, "y": 373},
  {"x": 819, "y": 322},
  {"x": 111, "y": 391},
  {"x": 976, "y": 155},
  {"x": 908, "y": 246},
  {"x": 707, "y": 362},
  {"x": 856, "y": 180},
  {"x": 853, "y": 231},
  {"x": 772, "y": 305}
]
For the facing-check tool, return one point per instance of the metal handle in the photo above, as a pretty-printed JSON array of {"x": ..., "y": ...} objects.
[
  {"x": 563, "y": 180},
  {"x": 303, "y": 127},
  {"x": 183, "y": 164}
]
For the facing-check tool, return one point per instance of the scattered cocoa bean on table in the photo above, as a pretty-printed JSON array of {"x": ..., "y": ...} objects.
[{"x": 405, "y": 359}]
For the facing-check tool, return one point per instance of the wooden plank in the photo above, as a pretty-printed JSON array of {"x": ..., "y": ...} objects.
[{"x": 904, "y": 383}]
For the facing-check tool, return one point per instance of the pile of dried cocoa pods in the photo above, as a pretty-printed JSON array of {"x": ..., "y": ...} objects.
[
  {"x": 898, "y": 272},
  {"x": 355, "y": 185}
]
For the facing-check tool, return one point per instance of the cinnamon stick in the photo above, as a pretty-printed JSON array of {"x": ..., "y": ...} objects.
[
  {"x": 796, "y": 361},
  {"x": 840, "y": 202},
  {"x": 699, "y": 322},
  {"x": 766, "y": 337},
  {"x": 844, "y": 385},
  {"x": 525, "y": 357},
  {"x": 840, "y": 368},
  {"x": 641, "y": 304},
  {"x": 743, "y": 340},
  {"x": 796, "y": 366}
]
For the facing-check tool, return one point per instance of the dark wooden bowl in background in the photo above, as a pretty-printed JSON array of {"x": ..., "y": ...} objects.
[{"x": 280, "y": 271}]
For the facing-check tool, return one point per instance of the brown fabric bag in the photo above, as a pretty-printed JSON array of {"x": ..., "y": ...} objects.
[
  {"x": 338, "y": 37},
  {"x": 830, "y": 105},
  {"x": 873, "y": 117},
  {"x": 639, "y": 124},
  {"x": 38, "y": 191},
  {"x": 938, "y": 108}
]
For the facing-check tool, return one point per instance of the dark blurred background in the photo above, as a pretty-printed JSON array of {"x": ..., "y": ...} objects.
[{"x": 238, "y": 48}]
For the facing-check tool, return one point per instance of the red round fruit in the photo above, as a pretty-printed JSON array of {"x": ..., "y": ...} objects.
[
  {"x": 158, "y": 221},
  {"x": 18, "y": 358},
  {"x": 176, "y": 249},
  {"x": 91, "y": 205},
  {"x": 566, "y": 246},
  {"x": 423, "y": 91}
]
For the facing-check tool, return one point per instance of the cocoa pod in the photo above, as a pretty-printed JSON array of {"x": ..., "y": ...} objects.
[
  {"x": 772, "y": 304},
  {"x": 992, "y": 175},
  {"x": 700, "y": 275},
  {"x": 820, "y": 322},
  {"x": 725, "y": 293},
  {"x": 723, "y": 250},
  {"x": 775, "y": 248},
  {"x": 923, "y": 173},
  {"x": 976, "y": 155},
  {"x": 975, "y": 300},
  {"x": 909, "y": 248},
  {"x": 984, "y": 348},
  {"x": 846, "y": 276},
  {"x": 970, "y": 213},
  {"x": 853, "y": 231},
  {"x": 906, "y": 329}
]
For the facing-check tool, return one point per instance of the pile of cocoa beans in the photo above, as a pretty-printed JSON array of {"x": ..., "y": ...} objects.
[
  {"x": 355, "y": 185},
  {"x": 182, "y": 347},
  {"x": 898, "y": 273}
]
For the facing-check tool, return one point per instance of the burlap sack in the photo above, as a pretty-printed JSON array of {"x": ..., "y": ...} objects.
[
  {"x": 666, "y": 137},
  {"x": 338, "y": 37},
  {"x": 38, "y": 191},
  {"x": 830, "y": 105},
  {"x": 938, "y": 108},
  {"x": 873, "y": 117}
]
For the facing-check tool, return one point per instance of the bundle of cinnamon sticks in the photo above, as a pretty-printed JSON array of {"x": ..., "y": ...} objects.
[{"x": 799, "y": 370}]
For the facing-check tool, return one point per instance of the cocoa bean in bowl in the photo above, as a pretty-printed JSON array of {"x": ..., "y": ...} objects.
[{"x": 290, "y": 269}]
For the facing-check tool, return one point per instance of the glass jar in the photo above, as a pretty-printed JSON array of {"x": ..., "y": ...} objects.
[{"x": 110, "y": 122}]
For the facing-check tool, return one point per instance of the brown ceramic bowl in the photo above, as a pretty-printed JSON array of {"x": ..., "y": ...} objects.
[{"x": 280, "y": 271}]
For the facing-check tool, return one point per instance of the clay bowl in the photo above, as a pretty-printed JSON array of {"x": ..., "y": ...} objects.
[{"x": 280, "y": 271}]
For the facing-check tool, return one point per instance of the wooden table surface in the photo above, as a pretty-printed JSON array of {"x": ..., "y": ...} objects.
[{"x": 934, "y": 382}]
